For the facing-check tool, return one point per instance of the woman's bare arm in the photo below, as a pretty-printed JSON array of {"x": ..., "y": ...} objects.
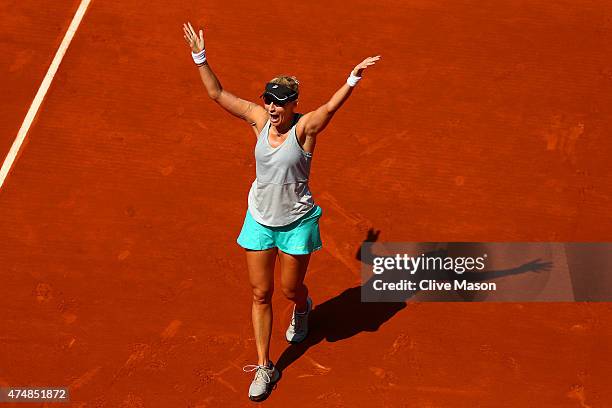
[
  {"x": 249, "y": 111},
  {"x": 254, "y": 114},
  {"x": 314, "y": 122}
]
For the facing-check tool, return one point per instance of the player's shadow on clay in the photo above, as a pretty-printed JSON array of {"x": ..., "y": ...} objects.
[{"x": 345, "y": 315}]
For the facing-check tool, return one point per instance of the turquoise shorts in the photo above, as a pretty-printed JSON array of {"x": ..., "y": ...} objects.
[{"x": 298, "y": 238}]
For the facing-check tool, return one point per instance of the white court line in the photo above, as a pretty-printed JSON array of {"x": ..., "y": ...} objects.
[{"x": 42, "y": 91}]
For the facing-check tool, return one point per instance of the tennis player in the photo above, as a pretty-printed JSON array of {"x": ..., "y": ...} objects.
[{"x": 282, "y": 219}]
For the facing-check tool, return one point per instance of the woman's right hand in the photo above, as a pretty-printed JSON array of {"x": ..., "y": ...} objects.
[{"x": 193, "y": 40}]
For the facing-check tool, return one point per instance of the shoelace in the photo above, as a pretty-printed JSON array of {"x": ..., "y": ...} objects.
[
  {"x": 261, "y": 369},
  {"x": 297, "y": 322}
]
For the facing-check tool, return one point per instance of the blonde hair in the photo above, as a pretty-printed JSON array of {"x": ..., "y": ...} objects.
[{"x": 288, "y": 81}]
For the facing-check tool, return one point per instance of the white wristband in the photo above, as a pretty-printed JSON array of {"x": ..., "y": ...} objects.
[
  {"x": 199, "y": 57},
  {"x": 352, "y": 80}
]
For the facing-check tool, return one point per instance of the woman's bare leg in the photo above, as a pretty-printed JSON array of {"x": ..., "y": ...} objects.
[
  {"x": 293, "y": 271},
  {"x": 261, "y": 275}
]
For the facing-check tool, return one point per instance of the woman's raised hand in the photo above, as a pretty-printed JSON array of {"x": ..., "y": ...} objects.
[
  {"x": 358, "y": 70},
  {"x": 195, "y": 42}
]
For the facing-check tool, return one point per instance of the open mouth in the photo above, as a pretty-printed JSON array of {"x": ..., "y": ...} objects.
[{"x": 274, "y": 117}]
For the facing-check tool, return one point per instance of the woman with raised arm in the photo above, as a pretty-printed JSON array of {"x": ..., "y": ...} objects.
[{"x": 282, "y": 219}]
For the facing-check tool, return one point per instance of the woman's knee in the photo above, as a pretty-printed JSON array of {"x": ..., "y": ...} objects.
[
  {"x": 262, "y": 296},
  {"x": 293, "y": 293}
]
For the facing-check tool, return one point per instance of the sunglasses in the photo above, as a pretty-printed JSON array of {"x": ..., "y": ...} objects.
[{"x": 268, "y": 99}]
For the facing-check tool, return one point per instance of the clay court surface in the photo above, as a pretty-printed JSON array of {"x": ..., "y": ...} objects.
[{"x": 484, "y": 121}]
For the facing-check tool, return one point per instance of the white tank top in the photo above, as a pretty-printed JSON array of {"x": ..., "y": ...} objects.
[{"x": 280, "y": 194}]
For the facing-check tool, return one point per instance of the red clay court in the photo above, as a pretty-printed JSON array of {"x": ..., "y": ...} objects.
[{"x": 121, "y": 278}]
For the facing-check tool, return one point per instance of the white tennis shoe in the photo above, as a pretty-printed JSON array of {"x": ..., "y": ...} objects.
[
  {"x": 298, "y": 328},
  {"x": 265, "y": 378}
]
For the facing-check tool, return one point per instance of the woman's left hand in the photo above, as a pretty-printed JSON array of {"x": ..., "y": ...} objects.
[{"x": 358, "y": 70}]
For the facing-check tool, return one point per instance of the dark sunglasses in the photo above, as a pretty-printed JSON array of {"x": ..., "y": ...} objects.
[{"x": 268, "y": 99}]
